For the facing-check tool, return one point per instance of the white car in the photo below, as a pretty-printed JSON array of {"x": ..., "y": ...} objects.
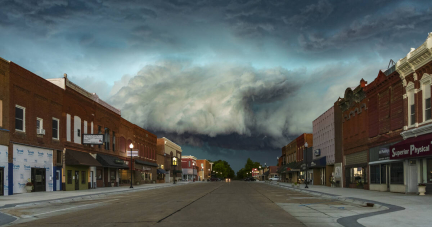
[{"x": 275, "y": 178}]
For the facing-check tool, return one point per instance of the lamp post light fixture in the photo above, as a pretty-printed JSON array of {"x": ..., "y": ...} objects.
[
  {"x": 131, "y": 147},
  {"x": 174, "y": 163},
  {"x": 306, "y": 182}
]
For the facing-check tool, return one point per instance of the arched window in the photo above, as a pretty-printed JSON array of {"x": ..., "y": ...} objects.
[{"x": 122, "y": 144}]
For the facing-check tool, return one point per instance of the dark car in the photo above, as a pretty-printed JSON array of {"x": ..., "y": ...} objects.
[{"x": 214, "y": 179}]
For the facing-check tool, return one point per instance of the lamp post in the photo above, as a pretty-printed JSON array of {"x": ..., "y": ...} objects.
[
  {"x": 306, "y": 145},
  {"x": 131, "y": 147},
  {"x": 193, "y": 171},
  {"x": 174, "y": 163}
]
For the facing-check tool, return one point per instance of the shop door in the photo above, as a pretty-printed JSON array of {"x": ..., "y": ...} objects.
[
  {"x": 38, "y": 179},
  {"x": 412, "y": 180},
  {"x": 58, "y": 180},
  {"x": 1, "y": 181},
  {"x": 76, "y": 180},
  {"x": 106, "y": 181}
]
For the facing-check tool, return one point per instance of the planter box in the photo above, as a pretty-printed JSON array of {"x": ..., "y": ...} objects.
[{"x": 421, "y": 190}]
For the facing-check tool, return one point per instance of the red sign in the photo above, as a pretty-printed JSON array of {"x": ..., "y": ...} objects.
[
  {"x": 412, "y": 147},
  {"x": 288, "y": 169}
]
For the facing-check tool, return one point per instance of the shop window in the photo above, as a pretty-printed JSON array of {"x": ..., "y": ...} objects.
[
  {"x": 107, "y": 139},
  {"x": 397, "y": 174},
  {"x": 20, "y": 118},
  {"x": 83, "y": 177},
  {"x": 429, "y": 171},
  {"x": 98, "y": 174},
  {"x": 55, "y": 128},
  {"x": 384, "y": 174},
  {"x": 113, "y": 176},
  {"x": 69, "y": 176},
  {"x": 375, "y": 174}
]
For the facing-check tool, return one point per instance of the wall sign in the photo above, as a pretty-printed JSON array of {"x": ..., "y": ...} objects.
[
  {"x": 414, "y": 149},
  {"x": 317, "y": 152},
  {"x": 94, "y": 139},
  {"x": 384, "y": 154}
]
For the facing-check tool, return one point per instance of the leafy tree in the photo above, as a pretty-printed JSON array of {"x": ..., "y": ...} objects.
[
  {"x": 223, "y": 169},
  {"x": 245, "y": 172}
]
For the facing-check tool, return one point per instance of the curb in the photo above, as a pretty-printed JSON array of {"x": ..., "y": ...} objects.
[{"x": 351, "y": 221}]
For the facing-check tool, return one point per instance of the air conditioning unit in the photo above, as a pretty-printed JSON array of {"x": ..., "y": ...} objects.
[{"x": 40, "y": 131}]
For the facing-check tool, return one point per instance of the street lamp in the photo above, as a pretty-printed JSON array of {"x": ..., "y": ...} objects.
[
  {"x": 193, "y": 171},
  {"x": 306, "y": 145},
  {"x": 174, "y": 163},
  {"x": 131, "y": 147}
]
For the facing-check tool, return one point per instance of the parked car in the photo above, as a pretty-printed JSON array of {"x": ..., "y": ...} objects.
[
  {"x": 275, "y": 178},
  {"x": 250, "y": 179},
  {"x": 214, "y": 179}
]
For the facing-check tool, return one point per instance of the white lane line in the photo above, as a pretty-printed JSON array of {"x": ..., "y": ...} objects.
[{"x": 34, "y": 215}]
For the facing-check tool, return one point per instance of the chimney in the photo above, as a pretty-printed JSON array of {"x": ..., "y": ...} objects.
[{"x": 363, "y": 83}]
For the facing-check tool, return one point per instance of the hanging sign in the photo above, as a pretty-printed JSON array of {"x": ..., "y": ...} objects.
[
  {"x": 134, "y": 153},
  {"x": 384, "y": 154}
]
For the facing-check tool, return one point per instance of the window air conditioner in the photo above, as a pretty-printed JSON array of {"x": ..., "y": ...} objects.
[{"x": 40, "y": 131}]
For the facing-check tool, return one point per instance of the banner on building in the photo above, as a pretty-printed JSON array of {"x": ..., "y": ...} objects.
[{"x": 93, "y": 139}]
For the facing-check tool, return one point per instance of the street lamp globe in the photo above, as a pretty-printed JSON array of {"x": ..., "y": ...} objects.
[
  {"x": 130, "y": 146},
  {"x": 306, "y": 144}
]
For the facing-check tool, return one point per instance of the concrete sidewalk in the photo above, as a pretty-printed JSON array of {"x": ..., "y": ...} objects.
[
  {"x": 416, "y": 212},
  {"x": 36, "y": 197}
]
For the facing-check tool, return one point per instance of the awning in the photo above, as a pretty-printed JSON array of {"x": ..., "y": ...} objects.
[
  {"x": 412, "y": 147},
  {"x": 288, "y": 167},
  {"x": 161, "y": 171},
  {"x": 76, "y": 158},
  {"x": 145, "y": 163},
  {"x": 111, "y": 161}
]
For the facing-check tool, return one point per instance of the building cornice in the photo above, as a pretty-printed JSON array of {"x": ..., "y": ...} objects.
[
  {"x": 416, "y": 58},
  {"x": 417, "y": 131}
]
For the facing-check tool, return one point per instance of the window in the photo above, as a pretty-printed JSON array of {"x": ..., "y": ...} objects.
[
  {"x": 426, "y": 99},
  {"x": 55, "y": 128},
  {"x": 411, "y": 104},
  {"x": 69, "y": 176},
  {"x": 113, "y": 175},
  {"x": 79, "y": 132},
  {"x": 83, "y": 177},
  {"x": 107, "y": 139},
  {"x": 413, "y": 114},
  {"x": 384, "y": 174},
  {"x": 397, "y": 174},
  {"x": 189, "y": 163},
  {"x": 59, "y": 157},
  {"x": 20, "y": 118},
  {"x": 375, "y": 174},
  {"x": 39, "y": 124},
  {"x": 428, "y": 109},
  {"x": 99, "y": 132},
  {"x": 113, "y": 143},
  {"x": 68, "y": 127}
]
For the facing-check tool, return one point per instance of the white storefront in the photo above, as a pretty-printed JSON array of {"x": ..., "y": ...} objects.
[
  {"x": 4, "y": 169},
  {"x": 24, "y": 159}
]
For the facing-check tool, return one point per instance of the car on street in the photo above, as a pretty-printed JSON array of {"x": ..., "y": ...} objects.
[
  {"x": 250, "y": 179},
  {"x": 275, "y": 178}
]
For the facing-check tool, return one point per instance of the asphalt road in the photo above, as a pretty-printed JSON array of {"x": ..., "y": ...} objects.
[{"x": 200, "y": 204}]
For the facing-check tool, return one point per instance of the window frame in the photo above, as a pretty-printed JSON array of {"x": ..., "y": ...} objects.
[
  {"x": 393, "y": 174},
  {"x": 83, "y": 177},
  {"x": 58, "y": 128},
  {"x": 23, "y": 120},
  {"x": 40, "y": 124},
  {"x": 375, "y": 174}
]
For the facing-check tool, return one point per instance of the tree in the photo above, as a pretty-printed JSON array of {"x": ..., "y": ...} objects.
[
  {"x": 244, "y": 172},
  {"x": 223, "y": 168}
]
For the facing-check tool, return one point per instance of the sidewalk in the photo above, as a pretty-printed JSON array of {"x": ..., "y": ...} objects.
[
  {"x": 36, "y": 197},
  {"x": 417, "y": 210}
]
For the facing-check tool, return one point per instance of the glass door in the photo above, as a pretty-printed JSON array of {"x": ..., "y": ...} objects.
[
  {"x": 76, "y": 180},
  {"x": 38, "y": 179},
  {"x": 1, "y": 181}
]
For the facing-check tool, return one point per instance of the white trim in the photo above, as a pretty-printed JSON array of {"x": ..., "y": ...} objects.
[
  {"x": 58, "y": 128},
  {"x": 410, "y": 86},
  {"x": 68, "y": 127},
  {"x": 24, "y": 117},
  {"x": 383, "y": 161},
  {"x": 417, "y": 131},
  {"x": 41, "y": 122}
]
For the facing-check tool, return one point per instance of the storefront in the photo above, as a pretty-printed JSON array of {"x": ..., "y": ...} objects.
[
  {"x": 33, "y": 164},
  {"x": 108, "y": 174},
  {"x": 4, "y": 189},
  {"x": 412, "y": 163},
  {"x": 356, "y": 170},
  {"x": 380, "y": 167},
  {"x": 161, "y": 175},
  {"x": 143, "y": 172},
  {"x": 77, "y": 169},
  {"x": 318, "y": 167}
]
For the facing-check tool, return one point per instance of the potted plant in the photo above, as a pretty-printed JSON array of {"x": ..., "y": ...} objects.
[
  {"x": 29, "y": 186},
  {"x": 422, "y": 188},
  {"x": 297, "y": 185},
  {"x": 332, "y": 182}
]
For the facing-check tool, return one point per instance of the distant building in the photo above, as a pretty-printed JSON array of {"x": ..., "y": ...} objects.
[{"x": 189, "y": 169}]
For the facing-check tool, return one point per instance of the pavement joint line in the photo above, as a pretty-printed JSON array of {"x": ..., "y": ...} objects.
[{"x": 352, "y": 221}]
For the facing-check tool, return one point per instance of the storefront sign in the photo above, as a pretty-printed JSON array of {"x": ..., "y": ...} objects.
[
  {"x": 384, "y": 154},
  {"x": 94, "y": 139},
  {"x": 317, "y": 152},
  {"x": 414, "y": 149},
  {"x": 118, "y": 161}
]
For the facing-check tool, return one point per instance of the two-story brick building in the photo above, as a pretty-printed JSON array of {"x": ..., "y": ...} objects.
[
  {"x": 170, "y": 150},
  {"x": 204, "y": 169}
]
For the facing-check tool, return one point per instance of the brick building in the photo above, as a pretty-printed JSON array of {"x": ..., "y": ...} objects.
[
  {"x": 189, "y": 164},
  {"x": 301, "y": 149},
  {"x": 170, "y": 150},
  {"x": 338, "y": 170},
  {"x": 355, "y": 125},
  {"x": 385, "y": 116},
  {"x": 204, "y": 169}
]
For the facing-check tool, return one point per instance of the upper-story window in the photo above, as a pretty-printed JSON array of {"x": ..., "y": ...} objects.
[
  {"x": 20, "y": 118},
  {"x": 107, "y": 139},
  {"x": 39, "y": 125},
  {"x": 77, "y": 130},
  {"x": 411, "y": 104},
  {"x": 55, "y": 128},
  {"x": 113, "y": 141},
  {"x": 426, "y": 87}
]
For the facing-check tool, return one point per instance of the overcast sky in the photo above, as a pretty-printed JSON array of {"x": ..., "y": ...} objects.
[{"x": 223, "y": 79}]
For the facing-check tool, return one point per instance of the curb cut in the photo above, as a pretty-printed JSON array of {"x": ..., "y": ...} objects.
[{"x": 352, "y": 221}]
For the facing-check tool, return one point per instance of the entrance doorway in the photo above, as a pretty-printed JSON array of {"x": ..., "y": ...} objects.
[
  {"x": 385, "y": 176},
  {"x": 76, "y": 180},
  {"x": 1, "y": 181},
  {"x": 38, "y": 179},
  {"x": 58, "y": 180}
]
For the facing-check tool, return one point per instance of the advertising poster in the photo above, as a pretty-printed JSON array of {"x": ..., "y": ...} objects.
[{"x": 26, "y": 158}]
